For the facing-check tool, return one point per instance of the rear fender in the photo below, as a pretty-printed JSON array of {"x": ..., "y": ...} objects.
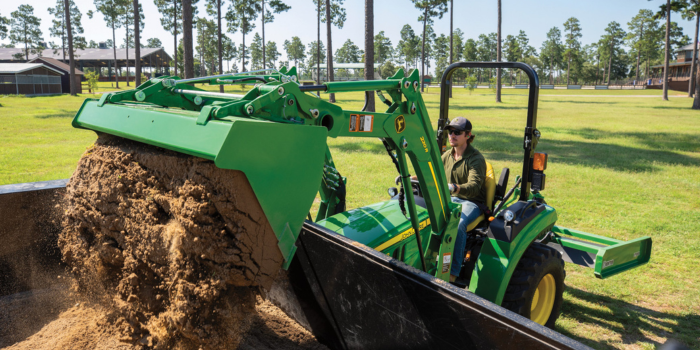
[{"x": 499, "y": 257}]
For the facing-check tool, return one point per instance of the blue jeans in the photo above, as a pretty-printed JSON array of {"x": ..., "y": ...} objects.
[{"x": 470, "y": 212}]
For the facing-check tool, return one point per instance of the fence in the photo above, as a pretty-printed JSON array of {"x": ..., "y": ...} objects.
[{"x": 30, "y": 84}]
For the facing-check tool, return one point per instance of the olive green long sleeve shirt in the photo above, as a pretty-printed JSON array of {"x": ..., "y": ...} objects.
[{"x": 469, "y": 173}]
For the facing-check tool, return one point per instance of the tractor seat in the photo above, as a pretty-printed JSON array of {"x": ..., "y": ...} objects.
[{"x": 490, "y": 185}]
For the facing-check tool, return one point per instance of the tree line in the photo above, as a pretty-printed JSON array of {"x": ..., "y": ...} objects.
[{"x": 622, "y": 53}]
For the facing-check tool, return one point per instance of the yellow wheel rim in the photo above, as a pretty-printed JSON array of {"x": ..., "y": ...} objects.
[{"x": 543, "y": 300}]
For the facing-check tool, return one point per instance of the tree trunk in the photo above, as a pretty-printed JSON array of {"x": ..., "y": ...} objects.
[
  {"x": 597, "y": 71},
  {"x": 218, "y": 42},
  {"x": 603, "y": 81},
  {"x": 26, "y": 47},
  {"x": 137, "y": 44},
  {"x": 696, "y": 101},
  {"x": 667, "y": 51},
  {"x": 612, "y": 46},
  {"x": 188, "y": 60},
  {"x": 693, "y": 65},
  {"x": 498, "y": 56},
  {"x": 127, "y": 56},
  {"x": 71, "y": 62},
  {"x": 175, "y": 34},
  {"x": 422, "y": 55},
  {"x": 114, "y": 47},
  {"x": 568, "y": 66},
  {"x": 639, "y": 50},
  {"x": 369, "y": 50},
  {"x": 329, "y": 48},
  {"x": 243, "y": 52},
  {"x": 451, "y": 38},
  {"x": 551, "y": 82},
  {"x": 263, "y": 31},
  {"x": 63, "y": 32},
  {"x": 646, "y": 76}
]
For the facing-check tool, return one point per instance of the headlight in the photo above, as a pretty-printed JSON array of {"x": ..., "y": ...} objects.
[{"x": 508, "y": 215}]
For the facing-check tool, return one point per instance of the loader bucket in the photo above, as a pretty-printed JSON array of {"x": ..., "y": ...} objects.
[{"x": 283, "y": 162}]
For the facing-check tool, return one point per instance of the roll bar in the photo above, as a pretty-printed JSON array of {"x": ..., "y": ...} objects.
[{"x": 531, "y": 132}]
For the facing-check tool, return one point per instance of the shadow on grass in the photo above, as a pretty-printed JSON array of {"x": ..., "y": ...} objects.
[
  {"x": 687, "y": 108},
  {"x": 655, "y": 140},
  {"x": 454, "y": 107},
  {"x": 579, "y": 102},
  {"x": 500, "y": 146},
  {"x": 633, "y": 323},
  {"x": 63, "y": 114},
  {"x": 505, "y": 147}
]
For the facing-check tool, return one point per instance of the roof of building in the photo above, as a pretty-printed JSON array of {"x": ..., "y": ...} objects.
[
  {"x": 86, "y": 55},
  {"x": 348, "y": 65},
  {"x": 688, "y": 47},
  {"x": 16, "y": 68},
  {"x": 672, "y": 64},
  {"x": 56, "y": 63}
]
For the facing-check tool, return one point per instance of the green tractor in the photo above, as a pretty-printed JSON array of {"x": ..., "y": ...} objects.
[{"x": 515, "y": 257}]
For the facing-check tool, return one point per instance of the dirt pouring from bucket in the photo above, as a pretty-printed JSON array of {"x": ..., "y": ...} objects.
[{"x": 171, "y": 251}]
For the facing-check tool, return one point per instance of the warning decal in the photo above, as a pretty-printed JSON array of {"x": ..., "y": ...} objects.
[
  {"x": 361, "y": 123},
  {"x": 446, "y": 259}
]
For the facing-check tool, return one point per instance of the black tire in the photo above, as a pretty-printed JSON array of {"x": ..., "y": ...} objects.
[{"x": 538, "y": 261}]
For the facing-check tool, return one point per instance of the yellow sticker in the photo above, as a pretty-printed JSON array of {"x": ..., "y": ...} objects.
[
  {"x": 400, "y": 124},
  {"x": 425, "y": 145},
  {"x": 403, "y": 235}
]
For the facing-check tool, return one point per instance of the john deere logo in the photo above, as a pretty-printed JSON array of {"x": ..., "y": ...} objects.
[{"x": 400, "y": 124}]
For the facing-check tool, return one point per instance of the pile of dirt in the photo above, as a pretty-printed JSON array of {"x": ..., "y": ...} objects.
[
  {"x": 177, "y": 249},
  {"x": 57, "y": 319}
]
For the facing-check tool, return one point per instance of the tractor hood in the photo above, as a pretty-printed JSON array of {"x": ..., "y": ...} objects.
[{"x": 379, "y": 225}]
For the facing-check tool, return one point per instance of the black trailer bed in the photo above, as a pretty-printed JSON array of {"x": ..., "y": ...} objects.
[{"x": 348, "y": 295}]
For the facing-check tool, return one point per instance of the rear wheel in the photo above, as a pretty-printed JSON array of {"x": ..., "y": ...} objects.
[{"x": 537, "y": 287}]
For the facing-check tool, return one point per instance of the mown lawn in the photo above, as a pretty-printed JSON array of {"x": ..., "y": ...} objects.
[{"x": 620, "y": 165}]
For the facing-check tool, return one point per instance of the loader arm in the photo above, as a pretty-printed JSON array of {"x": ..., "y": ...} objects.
[{"x": 288, "y": 127}]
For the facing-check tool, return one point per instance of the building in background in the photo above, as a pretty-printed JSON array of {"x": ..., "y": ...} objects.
[
  {"x": 29, "y": 79},
  {"x": 678, "y": 72},
  {"x": 65, "y": 69},
  {"x": 154, "y": 61}
]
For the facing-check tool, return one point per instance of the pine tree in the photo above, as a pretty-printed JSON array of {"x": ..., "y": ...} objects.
[
  {"x": 277, "y": 6},
  {"x": 127, "y": 19},
  {"x": 332, "y": 13},
  {"x": 112, "y": 11},
  {"x": 431, "y": 9},
  {"x": 572, "y": 30},
  {"x": 25, "y": 29},
  {"x": 58, "y": 28},
  {"x": 272, "y": 54},
  {"x": 240, "y": 16},
  {"x": 295, "y": 50},
  {"x": 4, "y": 22}
]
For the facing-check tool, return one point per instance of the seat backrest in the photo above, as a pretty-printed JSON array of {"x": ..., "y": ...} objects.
[{"x": 490, "y": 185}]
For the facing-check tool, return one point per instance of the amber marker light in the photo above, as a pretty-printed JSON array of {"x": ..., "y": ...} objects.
[
  {"x": 540, "y": 162},
  {"x": 491, "y": 219}
]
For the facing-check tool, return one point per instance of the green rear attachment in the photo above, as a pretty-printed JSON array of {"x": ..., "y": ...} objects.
[{"x": 607, "y": 256}]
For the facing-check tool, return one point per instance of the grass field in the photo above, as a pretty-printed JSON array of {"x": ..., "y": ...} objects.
[{"x": 620, "y": 165}]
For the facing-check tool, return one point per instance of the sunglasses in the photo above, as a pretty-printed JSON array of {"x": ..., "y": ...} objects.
[{"x": 456, "y": 132}]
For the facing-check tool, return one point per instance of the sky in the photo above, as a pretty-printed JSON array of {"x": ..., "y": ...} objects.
[{"x": 471, "y": 16}]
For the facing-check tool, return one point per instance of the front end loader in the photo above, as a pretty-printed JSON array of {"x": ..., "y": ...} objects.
[{"x": 276, "y": 135}]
